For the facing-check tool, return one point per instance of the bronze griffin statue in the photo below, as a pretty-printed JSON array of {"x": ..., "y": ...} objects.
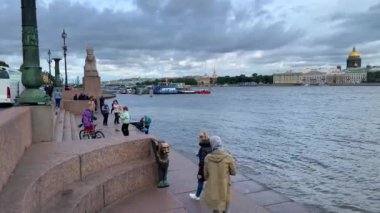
[{"x": 161, "y": 150}]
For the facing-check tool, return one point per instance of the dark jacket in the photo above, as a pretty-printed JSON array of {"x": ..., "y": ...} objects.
[{"x": 203, "y": 151}]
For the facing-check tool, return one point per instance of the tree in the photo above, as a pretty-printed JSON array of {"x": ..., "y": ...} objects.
[{"x": 2, "y": 63}]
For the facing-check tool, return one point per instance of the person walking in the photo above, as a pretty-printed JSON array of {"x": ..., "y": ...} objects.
[
  {"x": 105, "y": 112},
  {"x": 205, "y": 148},
  {"x": 101, "y": 101},
  {"x": 58, "y": 98},
  {"x": 91, "y": 104},
  {"x": 125, "y": 121},
  {"x": 219, "y": 165}
]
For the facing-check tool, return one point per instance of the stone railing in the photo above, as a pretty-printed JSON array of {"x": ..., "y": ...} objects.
[
  {"x": 15, "y": 137},
  {"x": 75, "y": 107}
]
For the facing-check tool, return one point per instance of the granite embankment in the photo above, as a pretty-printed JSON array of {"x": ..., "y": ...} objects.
[{"x": 115, "y": 174}]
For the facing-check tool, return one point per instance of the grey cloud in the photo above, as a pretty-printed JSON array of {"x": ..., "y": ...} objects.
[
  {"x": 354, "y": 28},
  {"x": 181, "y": 25},
  {"x": 196, "y": 30}
]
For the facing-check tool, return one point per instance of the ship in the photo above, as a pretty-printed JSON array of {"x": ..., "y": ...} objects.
[
  {"x": 165, "y": 88},
  {"x": 203, "y": 92}
]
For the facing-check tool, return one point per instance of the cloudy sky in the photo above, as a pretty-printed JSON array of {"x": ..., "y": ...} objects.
[{"x": 159, "y": 38}]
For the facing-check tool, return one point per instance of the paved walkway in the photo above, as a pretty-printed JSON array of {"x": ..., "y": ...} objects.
[
  {"x": 248, "y": 196},
  {"x": 175, "y": 199}
]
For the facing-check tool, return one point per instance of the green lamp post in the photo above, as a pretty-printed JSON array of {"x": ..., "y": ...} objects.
[{"x": 31, "y": 70}]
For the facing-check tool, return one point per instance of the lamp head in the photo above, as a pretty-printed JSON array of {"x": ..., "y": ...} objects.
[{"x": 64, "y": 35}]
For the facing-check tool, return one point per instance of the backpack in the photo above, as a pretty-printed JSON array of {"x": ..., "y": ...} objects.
[{"x": 105, "y": 109}]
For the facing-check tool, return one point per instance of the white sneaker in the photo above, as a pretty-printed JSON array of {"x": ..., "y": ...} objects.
[{"x": 194, "y": 197}]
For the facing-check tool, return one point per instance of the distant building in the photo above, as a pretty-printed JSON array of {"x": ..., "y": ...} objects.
[
  {"x": 214, "y": 77},
  {"x": 353, "y": 74},
  {"x": 335, "y": 78},
  {"x": 203, "y": 80},
  {"x": 314, "y": 78},
  {"x": 288, "y": 78},
  {"x": 356, "y": 75},
  {"x": 354, "y": 60}
]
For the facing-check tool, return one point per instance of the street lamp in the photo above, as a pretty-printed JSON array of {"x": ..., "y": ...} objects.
[
  {"x": 49, "y": 61},
  {"x": 64, "y": 36}
]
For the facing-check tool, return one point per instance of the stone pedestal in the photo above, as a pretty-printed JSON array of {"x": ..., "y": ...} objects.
[
  {"x": 42, "y": 124},
  {"x": 91, "y": 86}
]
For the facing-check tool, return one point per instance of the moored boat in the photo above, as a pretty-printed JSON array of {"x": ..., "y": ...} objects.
[{"x": 203, "y": 92}]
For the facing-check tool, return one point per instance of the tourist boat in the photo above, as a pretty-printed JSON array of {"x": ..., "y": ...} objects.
[
  {"x": 186, "y": 92},
  {"x": 203, "y": 92},
  {"x": 165, "y": 88},
  {"x": 126, "y": 91}
]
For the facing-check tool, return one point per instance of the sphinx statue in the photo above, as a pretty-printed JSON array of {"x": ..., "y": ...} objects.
[
  {"x": 161, "y": 151},
  {"x": 90, "y": 63}
]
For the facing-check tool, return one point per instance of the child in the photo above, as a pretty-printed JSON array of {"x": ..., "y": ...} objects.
[
  {"x": 204, "y": 149},
  {"x": 58, "y": 97},
  {"x": 87, "y": 120},
  {"x": 116, "y": 109},
  {"x": 125, "y": 121}
]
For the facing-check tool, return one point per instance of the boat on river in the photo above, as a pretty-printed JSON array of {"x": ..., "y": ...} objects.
[
  {"x": 165, "y": 89},
  {"x": 203, "y": 92}
]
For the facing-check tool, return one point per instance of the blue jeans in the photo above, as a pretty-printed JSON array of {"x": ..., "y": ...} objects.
[
  {"x": 58, "y": 102},
  {"x": 199, "y": 188}
]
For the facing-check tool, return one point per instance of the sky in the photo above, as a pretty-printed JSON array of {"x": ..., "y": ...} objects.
[{"x": 172, "y": 38}]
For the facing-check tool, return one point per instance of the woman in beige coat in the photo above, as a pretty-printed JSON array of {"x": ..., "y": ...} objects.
[{"x": 218, "y": 167}]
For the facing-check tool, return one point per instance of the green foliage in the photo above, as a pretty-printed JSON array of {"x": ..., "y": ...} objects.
[
  {"x": 154, "y": 82},
  {"x": 373, "y": 77},
  {"x": 113, "y": 85},
  {"x": 265, "y": 79},
  {"x": 2, "y": 63},
  {"x": 186, "y": 81}
]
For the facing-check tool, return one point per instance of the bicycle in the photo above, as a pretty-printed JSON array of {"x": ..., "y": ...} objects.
[{"x": 90, "y": 134}]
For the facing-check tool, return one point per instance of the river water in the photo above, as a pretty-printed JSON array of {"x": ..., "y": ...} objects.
[{"x": 318, "y": 145}]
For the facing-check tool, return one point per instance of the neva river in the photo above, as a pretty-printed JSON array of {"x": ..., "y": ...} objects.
[{"x": 318, "y": 145}]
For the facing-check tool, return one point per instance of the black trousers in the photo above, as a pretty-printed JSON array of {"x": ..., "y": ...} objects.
[
  {"x": 105, "y": 118},
  {"x": 117, "y": 116},
  {"x": 124, "y": 129}
]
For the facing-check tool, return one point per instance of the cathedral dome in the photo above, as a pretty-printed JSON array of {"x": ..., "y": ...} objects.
[{"x": 354, "y": 53}]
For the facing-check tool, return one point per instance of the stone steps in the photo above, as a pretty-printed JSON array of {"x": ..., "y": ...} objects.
[
  {"x": 78, "y": 176},
  {"x": 59, "y": 126},
  {"x": 102, "y": 189},
  {"x": 74, "y": 128},
  {"x": 66, "y": 126},
  {"x": 67, "y": 136}
]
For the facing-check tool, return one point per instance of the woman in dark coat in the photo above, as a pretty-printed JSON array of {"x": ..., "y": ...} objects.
[{"x": 205, "y": 148}]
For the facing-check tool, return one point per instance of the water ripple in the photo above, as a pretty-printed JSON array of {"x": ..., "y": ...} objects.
[{"x": 318, "y": 145}]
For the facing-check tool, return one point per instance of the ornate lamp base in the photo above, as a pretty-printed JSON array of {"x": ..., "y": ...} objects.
[{"x": 33, "y": 97}]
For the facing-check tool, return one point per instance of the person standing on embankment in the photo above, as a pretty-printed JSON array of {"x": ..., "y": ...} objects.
[
  {"x": 205, "y": 148},
  {"x": 218, "y": 168},
  {"x": 125, "y": 118}
]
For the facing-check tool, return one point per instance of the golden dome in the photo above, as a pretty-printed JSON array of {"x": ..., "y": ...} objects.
[{"x": 354, "y": 53}]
